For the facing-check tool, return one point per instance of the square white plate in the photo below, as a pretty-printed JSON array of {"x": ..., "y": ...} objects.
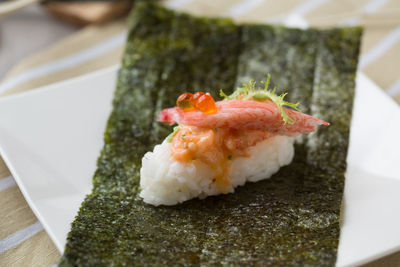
[{"x": 51, "y": 137}]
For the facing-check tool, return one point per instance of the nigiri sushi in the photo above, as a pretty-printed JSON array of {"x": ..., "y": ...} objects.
[{"x": 218, "y": 146}]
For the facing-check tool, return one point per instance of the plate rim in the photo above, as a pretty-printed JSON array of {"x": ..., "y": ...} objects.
[{"x": 10, "y": 166}]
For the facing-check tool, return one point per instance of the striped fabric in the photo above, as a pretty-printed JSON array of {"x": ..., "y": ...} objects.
[{"x": 23, "y": 242}]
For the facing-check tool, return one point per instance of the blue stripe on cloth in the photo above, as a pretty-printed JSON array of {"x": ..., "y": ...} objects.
[
  {"x": 6, "y": 183},
  {"x": 20, "y": 236},
  {"x": 68, "y": 62}
]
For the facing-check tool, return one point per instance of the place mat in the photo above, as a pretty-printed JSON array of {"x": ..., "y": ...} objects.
[{"x": 23, "y": 242}]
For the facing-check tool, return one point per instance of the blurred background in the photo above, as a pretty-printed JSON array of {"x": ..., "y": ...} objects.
[
  {"x": 93, "y": 31},
  {"x": 46, "y": 42}
]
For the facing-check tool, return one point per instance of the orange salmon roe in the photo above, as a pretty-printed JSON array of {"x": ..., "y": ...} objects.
[
  {"x": 200, "y": 101},
  {"x": 206, "y": 104},
  {"x": 185, "y": 102},
  {"x": 197, "y": 95}
]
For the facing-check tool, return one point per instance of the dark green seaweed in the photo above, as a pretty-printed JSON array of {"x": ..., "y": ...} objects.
[{"x": 291, "y": 219}]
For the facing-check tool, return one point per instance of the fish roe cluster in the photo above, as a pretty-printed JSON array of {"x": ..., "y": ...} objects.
[{"x": 200, "y": 101}]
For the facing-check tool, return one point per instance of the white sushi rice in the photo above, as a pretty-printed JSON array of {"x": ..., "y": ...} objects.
[{"x": 165, "y": 181}]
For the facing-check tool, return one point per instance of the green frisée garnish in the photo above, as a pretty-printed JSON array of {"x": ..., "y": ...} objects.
[
  {"x": 171, "y": 135},
  {"x": 260, "y": 97},
  {"x": 249, "y": 91}
]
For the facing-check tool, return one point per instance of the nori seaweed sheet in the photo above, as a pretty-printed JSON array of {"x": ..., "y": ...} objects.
[{"x": 290, "y": 219}]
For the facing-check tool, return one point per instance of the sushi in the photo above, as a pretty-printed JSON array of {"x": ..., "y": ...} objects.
[{"x": 217, "y": 146}]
